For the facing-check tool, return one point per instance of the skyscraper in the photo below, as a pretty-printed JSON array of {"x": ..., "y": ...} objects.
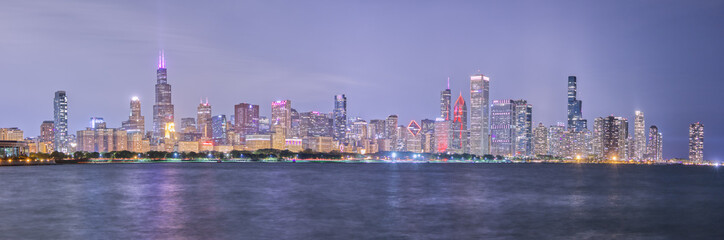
[
  {"x": 502, "y": 127},
  {"x": 639, "y": 141},
  {"x": 696, "y": 142},
  {"x": 136, "y": 122},
  {"x": 46, "y": 131},
  {"x": 442, "y": 135},
  {"x": 558, "y": 140},
  {"x": 479, "y": 112},
  {"x": 459, "y": 143},
  {"x": 60, "y": 104},
  {"x": 203, "y": 120},
  {"x": 445, "y": 101},
  {"x": 615, "y": 134},
  {"x": 246, "y": 119},
  {"x": 282, "y": 115},
  {"x": 163, "y": 111},
  {"x": 511, "y": 128},
  {"x": 523, "y": 132},
  {"x": 576, "y": 122},
  {"x": 655, "y": 147},
  {"x": 340, "y": 117},
  {"x": 540, "y": 140},
  {"x": 218, "y": 128}
]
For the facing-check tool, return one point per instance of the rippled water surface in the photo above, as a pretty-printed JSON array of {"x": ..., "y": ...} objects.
[{"x": 360, "y": 201}]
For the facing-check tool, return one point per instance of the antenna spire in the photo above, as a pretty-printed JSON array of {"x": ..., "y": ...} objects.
[
  {"x": 448, "y": 82},
  {"x": 161, "y": 60}
]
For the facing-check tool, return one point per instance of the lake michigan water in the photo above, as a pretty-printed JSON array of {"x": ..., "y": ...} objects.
[{"x": 360, "y": 201}]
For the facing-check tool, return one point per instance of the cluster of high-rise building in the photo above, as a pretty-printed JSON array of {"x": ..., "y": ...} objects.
[{"x": 503, "y": 127}]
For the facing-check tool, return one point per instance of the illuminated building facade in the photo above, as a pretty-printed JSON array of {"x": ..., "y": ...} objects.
[
  {"x": 615, "y": 134},
  {"x": 413, "y": 138},
  {"x": 163, "y": 110},
  {"x": 136, "y": 122},
  {"x": 11, "y": 134},
  {"x": 427, "y": 134},
  {"x": 696, "y": 142},
  {"x": 479, "y": 113},
  {"x": 558, "y": 143},
  {"x": 219, "y": 129},
  {"x": 203, "y": 120},
  {"x": 540, "y": 140},
  {"x": 97, "y": 122},
  {"x": 315, "y": 124},
  {"x": 576, "y": 123},
  {"x": 655, "y": 147},
  {"x": 60, "y": 121},
  {"x": 639, "y": 138},
  {"x": 318, "y": 144},
  {"x": 446, "y": 103},
  {"x": 523, "y": 128},
  {"x": 246, "y": 119},
  {"x": 442, "y": 135},
  {"x": 459, "y": 141},
  {"x": 502, "y": 128},
  {"x": 340, "y": 117},
  {"x": 282, "y": 115},
  {"x": 390, "y": 133}
]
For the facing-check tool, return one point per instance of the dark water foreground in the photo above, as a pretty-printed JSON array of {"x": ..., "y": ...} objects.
[{"x": 361, "y": 201}]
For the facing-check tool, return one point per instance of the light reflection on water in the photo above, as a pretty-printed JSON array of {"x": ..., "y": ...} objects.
[{"x": 373, "y": 201}]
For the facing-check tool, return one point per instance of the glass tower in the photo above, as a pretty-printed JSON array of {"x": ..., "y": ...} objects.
[
  {"x": 479, "y": 113},
  {"x": 60, "y": 106},
  {"x": 576, "y": 122},
  {"x": 163, "y": 111}
]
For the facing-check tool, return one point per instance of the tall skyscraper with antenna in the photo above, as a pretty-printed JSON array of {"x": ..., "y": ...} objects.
[
  {"x": 445, "y": 102},
  {"x": 163, "y": 114}
]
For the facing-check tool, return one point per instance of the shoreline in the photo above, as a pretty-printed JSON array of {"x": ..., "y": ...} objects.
[{"x": 31, "y": 162}]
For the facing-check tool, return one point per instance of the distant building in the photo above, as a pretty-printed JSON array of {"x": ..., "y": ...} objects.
[
  {"x": 655, "y": 147},
  {"x": 136, "y": 122},
  {"x": 614, "y": 140},
  {"x": 413, "y": 139},
  {"x": 46, "y": 131},
  {"x": 576, "y": 123},
  {"x": 102, "y": 140},
  {"x": 60, "y": 122},
  {"x": 523, "y": 128},
  {"x": 696, "y": 142},
  {"x": 446, "y": 103},
  {"x": 11, "y": 134},
  {"x": 219, "y": 128},
  {"x": 97, "y": 122},
  {"x": 258, "y": 141},
  {"x": 246, "y": 119},
  {"x": 340, "y": 117},
  {"x": 163, "y": 109},
  {"x": 427, "y": 132},
  {"x": 315, "y": 124},
  {"x": 459, "y": 143},
  {"x": 390, "y": 133},
  {"x": 282, "y": 115},
  {"x": 442, "y": 135},
  {"x": 540, "y": 140},
  {"x": 558, "y": 141},
  {"x": 479, "y": 113},
  {"x": 203, "y": 120},
  {"x": 318, "y": 144},
  {"x": 639, "y": 138}
]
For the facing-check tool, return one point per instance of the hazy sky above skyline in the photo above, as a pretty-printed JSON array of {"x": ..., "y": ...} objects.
[{"x": 665, "y": 58}]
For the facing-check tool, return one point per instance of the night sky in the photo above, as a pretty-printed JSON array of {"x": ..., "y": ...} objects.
[{"x": 665, "y": 58}]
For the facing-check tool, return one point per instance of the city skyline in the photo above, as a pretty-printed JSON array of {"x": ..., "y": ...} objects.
[{"x": 84, "y": 102}]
